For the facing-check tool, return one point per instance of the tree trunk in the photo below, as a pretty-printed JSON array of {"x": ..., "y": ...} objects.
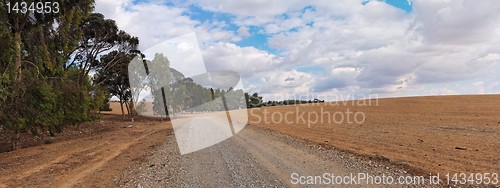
[
  {"x": 123, "y": 112},
  {"x": 18, "y": 61},
  {"x": 46, "y": 54},
  {"x": 127, "y": 107},
  {"x": 131, "y": 106},
  {"x": 15, "y": 140},
  {"x": 17, "y": 81},
  {"x": 132, "y": 112}
]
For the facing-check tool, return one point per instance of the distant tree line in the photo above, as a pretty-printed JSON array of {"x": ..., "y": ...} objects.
[
  {"x": 56, "y": 68},
  {"x": 255, "y": 100},
  {"x": 178, "y": 93}
]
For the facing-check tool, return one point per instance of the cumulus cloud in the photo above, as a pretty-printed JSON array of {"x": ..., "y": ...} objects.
[
  {"x": 248, "y": 61},
  {"x": 155, "y": 22},
  {"x": 337, "y": 78},
  {"x": 243, "y": 31},
  {"x": 457, "y": 22},
  {"x": 279, "y": 84}
]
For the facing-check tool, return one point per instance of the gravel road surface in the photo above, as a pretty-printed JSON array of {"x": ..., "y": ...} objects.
[{"x": 254, "y": 158}]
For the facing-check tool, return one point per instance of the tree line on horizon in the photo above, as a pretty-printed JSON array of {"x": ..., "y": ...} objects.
[{"x": 255, "y": 101}]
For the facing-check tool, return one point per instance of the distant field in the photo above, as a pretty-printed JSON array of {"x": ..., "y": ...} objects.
[
  {"x": 435, "y": 134},
  {"x": 115, "y": 108}
]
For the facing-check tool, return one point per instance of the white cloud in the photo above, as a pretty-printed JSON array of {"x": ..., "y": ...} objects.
[
  {"x": 284, "y": 84},
  {"x": 337, "y": 78},
  {"x": 154, "y": 22},
  {"x": 247, "y": 61},
  {"x": 443, "y": 91},
  {"x": 243, "y": 31},
  {"x": 457, "y": 22}
]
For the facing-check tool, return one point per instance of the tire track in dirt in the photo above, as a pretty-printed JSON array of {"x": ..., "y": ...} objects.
[
  {"x": 67, "y": 163},
  {"x": 27, "y": 170},
  {"x": 58, "y": 160},
  {"x": 75, "y": 176}
]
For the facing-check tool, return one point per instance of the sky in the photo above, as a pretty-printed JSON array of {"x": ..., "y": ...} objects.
[{"x": 332, "y": 49}]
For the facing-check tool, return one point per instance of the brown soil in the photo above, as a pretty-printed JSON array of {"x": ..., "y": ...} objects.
[
  {"x": 87, "y": 161},
  {"x": 37, "y": 137},
  {"x": 442, "y": 134}
]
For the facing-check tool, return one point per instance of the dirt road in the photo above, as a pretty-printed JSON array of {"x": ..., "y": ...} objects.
[
  {"x": 146, "y": 155},
  {"x": 253, "y": 158}
]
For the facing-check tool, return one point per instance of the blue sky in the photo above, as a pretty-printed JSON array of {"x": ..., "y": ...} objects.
[
  {"x": 402, "y": 4},
  {"x": 345, "y": 47}
]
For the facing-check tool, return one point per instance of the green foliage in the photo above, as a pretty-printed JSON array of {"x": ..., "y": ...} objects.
[
  {"x": 100, "y": 99},
  {"x": 44, "y": 66},
  {"x": 114, "y": 79},
  {"x": 291, "y": 102},
  {"x": 42, "y": 105},
  {"x": 254, "y": 101},
  {"x": 46, "y": 104},
  {"x": 101, "y": 36},
  {"x": 74, "y": 103},
  {"x": 4, "y": 88}
]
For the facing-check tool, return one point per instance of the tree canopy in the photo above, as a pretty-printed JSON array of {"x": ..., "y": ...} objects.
[{"x": 47, "y": 61}]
